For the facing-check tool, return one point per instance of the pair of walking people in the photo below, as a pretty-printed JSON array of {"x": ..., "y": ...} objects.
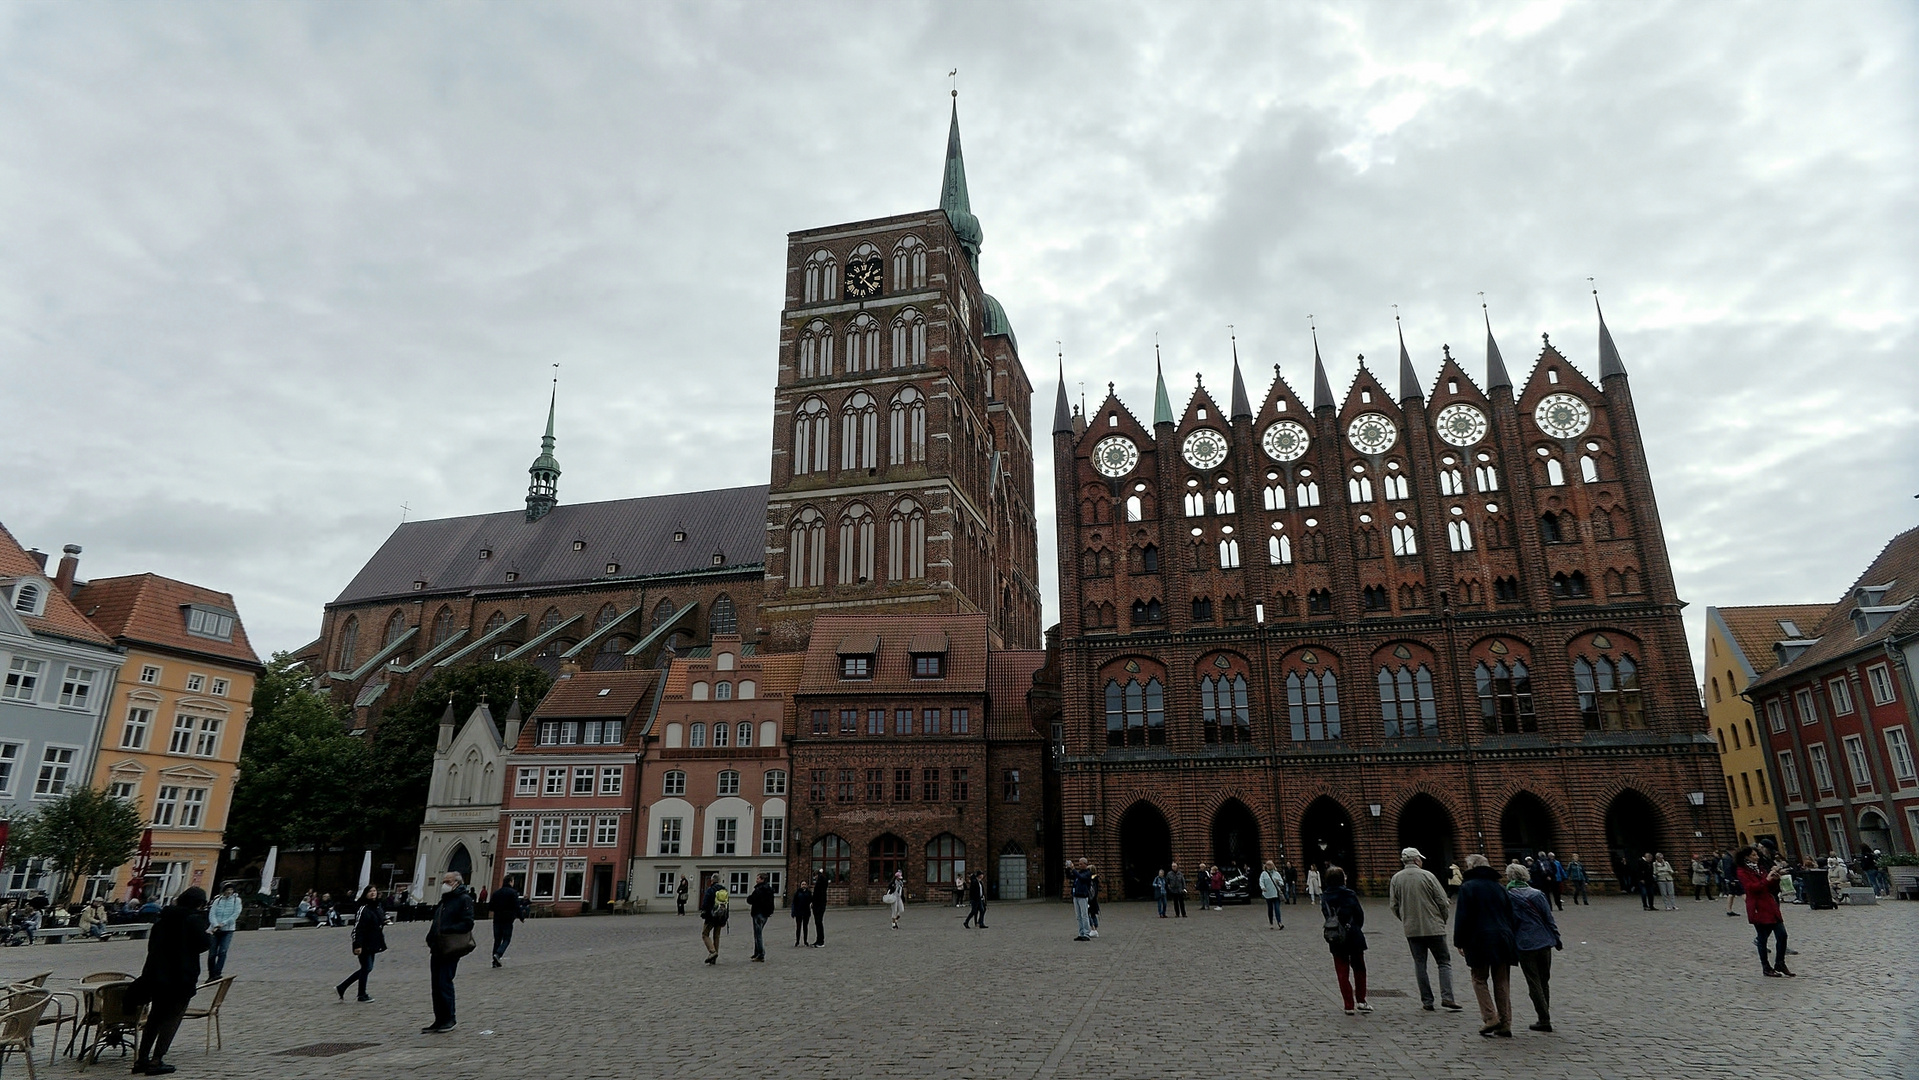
[{"x": 1496, "y": 927}]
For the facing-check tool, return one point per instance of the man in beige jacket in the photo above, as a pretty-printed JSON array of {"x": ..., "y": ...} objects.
[{"x": 1419, "y": 902}]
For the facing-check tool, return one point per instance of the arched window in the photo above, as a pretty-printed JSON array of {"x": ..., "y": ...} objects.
[
  {"x": 729, "y": 780},
  {"x": 816, "y": 349},
  {"x": 832, "y": 856},
  {"x": 722, "y": 691},
  {"x": 1148, "y": 559},
  {"x": 1505, "y": 697},
  {"x": 856, "y": 545},
  {"x": 1570, "y": 586},
  {"x": 1224, "y": 709},
  {"x": 611, "y": 655},
  {"x": 349, "y": 642},
  {"x": 859, "y": 432},
  {"x": 1228, "y": 553},
  {"x": 1404, "y": 541},
  {"x": 1307, "y": 493},
  {"x": 885, "y": 856},
  {"x": 1279, "y": 551},
  {"x": 1394, "y": 485},
  {"x": 663, "y": 611},
  {"x": 810, "y": 438},
  {"x": 1135, "y": 510},
  {"x": 700, "y": 691},
  {"x": 1373, "y": 597},
  {"x": 722, "y": 733},
  {"x": 1275, "y": 497},
  {"x": 1555, "y": 472},
  {"x": 906, "y": 542},
  {"x": 1451, "y": 482},
  {"x": 863, "y": 344},
  {"x": 822, "y": 277},
  {"x": 1312, "y": 705},
  {"x": 1195, "y": 504},
  {"x": 743, "y": 733},
  {"x": 806, "y": 550},
  {"x": 442, "y": 625},
  {"x": 1223, "y": 501},
  {"x": 723, "y": 617},
  {"x": 1715, "y": 689},
  {"x": 1459, "y": 535},
  {"x": 1146, "y": 612},
  {"x": 1406, "y": 702},
  {"x": 1486, "y": 477},
  {"x": 1550, "y": 531},
  {"x": 697, "y": 737},
  {"x": 909, "y": 339},
  {"x": 907, "y": 428},
  {"x": 1135, "y": 713},
  {"x": 1609, "y": 694},
  {"x": 395, "y": 626},
  {"x": 945, "y": 853},
  {"x": 1588, "y": 469},
  {"x": 495, "y": 621},
  {"x": 1359, "y": 489},
  {"x": 909, "y": 264},
  {"x": 1602, "y": 525},
  {"x": 746, "y": 689}
]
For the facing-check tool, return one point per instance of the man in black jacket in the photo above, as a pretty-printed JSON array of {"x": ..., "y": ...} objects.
[
  {"x": 453, "y": 917},
  {"x": 760, "y": 902},
  {"x": 506, "y": 908},
  {"x": 820, "y": 882},
  {"x": 171, "y": 975}
]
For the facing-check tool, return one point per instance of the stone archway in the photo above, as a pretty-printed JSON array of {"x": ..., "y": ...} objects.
[
  {"x": 1326, "y": 836},
  {"x": 1632, "y": 829},
  {"x": 1426, "y": 824},
  {"x": 1236, "y": 836},
  {"x": 1526, "y": 827},
  {"x": 460, "y": 861},
  {"x": 1145, "y": 848}
]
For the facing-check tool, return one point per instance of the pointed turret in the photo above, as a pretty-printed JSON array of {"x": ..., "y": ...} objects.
[
  {"x": 1496, "y": 376},
  {"x": 1322, "y": 389},
  {"x": 513, "y": 721},
  {"x": 1609, "y": 363},
  {"x": 1241, "y": 406},
  {"x": 1162, "y": 405},
  {"x": 1408, "y": 378},
  {"x": 447, "y": 721},
  {"x": 1062, "y": 412},
  {"x": 953, "y": 197},
  {"x": 542, "y": 492}
]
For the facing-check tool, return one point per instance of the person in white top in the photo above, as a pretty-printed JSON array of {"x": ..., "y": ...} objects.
[
  {"x": 1312, "y": 884},
  {"x": 896, "y": 896},
  {"x": 1272, "y": 886}
]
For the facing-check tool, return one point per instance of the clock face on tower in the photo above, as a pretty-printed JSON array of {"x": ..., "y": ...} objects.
[
  {"x": 1286, "y": 441},
  {"x": 863, "y": 279},
  {"x": 1461, "y": 425},
  {"x": 1562, "y": 416},
  {"x": 1204, "y": 449},
  {"x": 1372, "y": 433},
  {"x": 1115, "y": 456}
]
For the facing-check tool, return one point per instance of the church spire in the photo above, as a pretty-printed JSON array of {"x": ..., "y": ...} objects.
[
  {"x": 1062, "y": 412},
  {"x": 1609, "y": 362},
  {"x": 1322, "y": 389},
  {"x": 1408, "y": 378},
  {"x": 1496, "y": 376},
  {"x": 542, "y": 492},
  {"x": 1162, "y": 406},
  {"x": 1241, "y": 406},
  {"x": 953, "y": 197}
]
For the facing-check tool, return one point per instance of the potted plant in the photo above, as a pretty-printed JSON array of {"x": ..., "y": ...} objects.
[{"x": 1904, "y": 870}]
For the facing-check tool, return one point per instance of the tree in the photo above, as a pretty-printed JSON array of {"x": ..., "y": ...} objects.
[
  {"x": 86, "y": 831},
  {"x": 303, "y": 776}
]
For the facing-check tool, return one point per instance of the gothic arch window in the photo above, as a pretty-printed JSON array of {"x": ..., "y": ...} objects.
[
  {"x": 1602, "y": 525},
  {"x": 906, "y": 542},
  {"x": 1550, "y": 529},
  {"x": 395, "y": 626},
  {"x": 1279, "y": 551},
  {"x": 1406, "y": 703},
  {"x": 1202, "y": 609},
  {"x": 1319, "y": 602},
  {"x": 816, "y": 349},
  {"x": 1228, "y": 554},
  {"x": 1485, "y": 475},
  {"x": 1459, "y": 535},
  {"x": 1147, "y": 612},
  {"x": 442, "y": 625},
  {"x": 1497, "y": 533},
  {"x": 806, "y": 550},
  {"x": 822, "y": 277},
  {"x": 1588, "y": 469},
  {"x": 909, "y": 339},
  {"x": 661, "y": 612},
  {"x": 856, "y": 545},
  {"x": 1143, "y": 560},
  {"x": 907, "y": 442},
  {"x": 863, "y": 344},
  {"x": 1195, "y": 504},
  {"x": 1373, "y": 598},
  {"x": 495, "y": 621},
  {"x": 1359, "y": 489},
  {"x": 909, "y": 264},
  {"x": 606, "y": 615},
  {"x": 1555, "y": 472},
  {"x": 1223, "y": 501},
  {"x": 1286, "y": 604},
  {"x": 1405, "y": 542},
  {"x": 349, "y": 642},
  {"x": 1098, "y": 563},
  {"x": 611, "y": 655},
  {"x": 723, "y": 617},
  {"x": 1471, "y": 591},
  {"x": 810, "y": 437},
  {"x": 1366, "y": 542},
  {"x": 1312, "y": 704},
  {"x": 1135, "y": 712},
  {"x": 1506, "y": 590},
  {"x": 1315, "y": 543},
  {"x": 1505, "y": 689},
  {"x": 1610, "y": 698},
  {"x": 1135, "y": 510},
  {"x": 1411, "y": 596},
  {"x": 1571, "y": 586},
  {"x": 859, "y": 432},
  {"x": 1225, "y": 712},
  {"x": 1307, "y": 493},
  {"x": 1275, "y": 496},
  {"x": 1394, "y": 485},
  {"x": 1451, "y": 482}
]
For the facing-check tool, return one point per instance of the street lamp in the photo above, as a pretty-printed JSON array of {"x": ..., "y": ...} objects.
[{"x": 1088, "y": 819}]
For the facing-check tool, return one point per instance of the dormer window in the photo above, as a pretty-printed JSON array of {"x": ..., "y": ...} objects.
[
  {"x": 856, "y": 667},
  {"x": 485, "y": 554},
  {"x": 1867, "y": 619},
  {"x": 418, "y": 585},
  {"x": 512, "y": 575},
  {"x": 29, "y": 598},
  {"x": 679, "y": 537},
  {"x": 612, "y": 568},
  {"x": 211, "y": 622},
  {"x": 579, "y": 545},
  {"x": 929, "y": 667}
]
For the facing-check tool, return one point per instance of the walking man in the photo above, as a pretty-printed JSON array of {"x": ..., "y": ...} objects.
[
  {"x": 760, "y": 902},
  {"x": 1576, "y": 877},
  {"x": 1536, "y": 935},
  {"x": 223, "y": 918},
  {"x": 1176, "y": 891},
  {"x": 1273, "y": 887},
  {"x": 1761, "y": 889},
  {"x": 820, "y": 882},
  {"x": 713, "y": 910},
  {"x": 506, "y": 908},
  {"x": 1555, "y": 879},
  {"x": 1419, "y": 902},
  {"x": 448, "y": 937},
  {"x": 1082, "y": 896},
  {"x": 1483, "y": 934}
]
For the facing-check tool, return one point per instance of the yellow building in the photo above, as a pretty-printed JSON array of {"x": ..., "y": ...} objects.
[
  {"x": 1738, "y": 651},
  {"x": 179, "y": 712}
]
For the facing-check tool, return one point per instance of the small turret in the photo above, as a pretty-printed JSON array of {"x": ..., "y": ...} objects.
[
  {"x": 513, "y": 721},
  {"x": 1162, "y": 405},
  {"x": 1062, "y": 412},
  {"x": 447, "y": 721},
  {"x": 1322, "y": 389},
  {"x": 543, "y": 492}
]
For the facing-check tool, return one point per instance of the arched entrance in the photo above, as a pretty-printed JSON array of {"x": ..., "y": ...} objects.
[
  {"x": 1326, "y": 836},
  {"x": 1145, "y": 848},
  {"x": 1632, "y": 829},
  {"x": 1424, "y": 823},
  {"x": 1526, "y": 827},
  {"x": 1873, "y": 831},
  {"x": 1236, "y": 836},
  {"x": 458, "y": 861}
]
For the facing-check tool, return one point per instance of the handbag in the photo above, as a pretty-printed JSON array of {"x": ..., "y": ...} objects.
[{"x": 450, "y": 946}]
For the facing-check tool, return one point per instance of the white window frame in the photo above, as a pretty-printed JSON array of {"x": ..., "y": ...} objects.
[
  {"x": 1822, "y": 777},
  {"x": 612, "y": 779},
  {"x": 1857, "y": 764},
  {"x": 527, "y": 780},
  {"x": 134, "y": 732},
  {"x": 673, "y": 783},
  {"x": 9, "y": 766},
  {"x": 672, "y": 836},
  {"x": 219, "y": 688},
  {"x": 125, "y": 790},
  {"x": 728, "y": 782},
  {"x": 45, "y": 786},
  {"x": 207, "y": 742},
  {"x": 774, "y": 782},
  {"x": 667, "y": 884},
  {"x": 180, "y": 739},
  {"x": 555, "y": 785},
  {"x": 584, "y": 779},
  {"x": 726, "y": 836},
  {"x": 520, "y": 832},
  {"x": 166, "y": 805},
  {"x": 1899, "y": 756},
  {"x": 150, "y": 674},
  {"x": 772, "y": 835},
  {"x": 550, "y": 828},
  {"x": 579, "y": 831},
  {"x": 1775, "y": 715},
  {"x": 549, "y": 867},
  {"x": 1840, "y": 696},
  {"x": 23, "y": 679},
  {"x": 1879, "y": 677},
  {"x": 76, "y": 686},
  {"x": 196, "y": 682},
  {"x": 606, "y": 830},
  {"x": 193, "y": 807},
  {"x": 1788, "y": 774},
  {"x": 1808, "y": 712}
]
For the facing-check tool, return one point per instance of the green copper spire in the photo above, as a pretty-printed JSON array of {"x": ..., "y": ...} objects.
[
  {"x": 1162, "y": 408},
  {"x": 953, "y": 198},
  {"x": 542, "y": 493}
]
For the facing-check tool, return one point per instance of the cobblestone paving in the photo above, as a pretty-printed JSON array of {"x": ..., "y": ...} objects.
[{"x": 1636, "y": 994}]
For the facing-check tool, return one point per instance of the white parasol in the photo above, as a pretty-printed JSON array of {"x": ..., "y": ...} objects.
[{"x": 266, "y": 872}]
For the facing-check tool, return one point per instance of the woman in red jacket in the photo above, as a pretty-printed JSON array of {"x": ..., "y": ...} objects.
[{"x": 1761, "y": 887}]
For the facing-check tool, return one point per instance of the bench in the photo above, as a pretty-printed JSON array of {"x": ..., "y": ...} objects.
[
  {"x": 54, "y": 935},
  {"x": 1860, "y": 897},
  {"x": 292, "y": 922},
  {"x": 130, "y": 931}
]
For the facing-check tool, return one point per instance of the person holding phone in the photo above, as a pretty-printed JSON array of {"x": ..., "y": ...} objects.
[{"x": 1760, "y": 885}]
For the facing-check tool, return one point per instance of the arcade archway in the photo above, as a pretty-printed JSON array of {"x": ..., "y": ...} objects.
[
  {"x": 1326, "y": 836},
  {"x": 1424, "y": 823},
  {"x": 1236, "y": 836},
  {"x": 1145, "y": 848},
  {"x": 1632, "y": 828},
  {"x": 1526, "y": 827}
]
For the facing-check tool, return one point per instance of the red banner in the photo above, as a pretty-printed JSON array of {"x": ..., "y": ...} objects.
[
  {"x": 137, "y": 883},
  {"x": 5, "y": 827}
]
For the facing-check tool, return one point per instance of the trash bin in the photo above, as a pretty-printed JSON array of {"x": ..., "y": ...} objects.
[{"x": 1818, "y": 890}]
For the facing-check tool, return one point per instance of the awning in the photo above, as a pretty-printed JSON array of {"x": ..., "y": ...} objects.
[{"x": 859, "y": 645}]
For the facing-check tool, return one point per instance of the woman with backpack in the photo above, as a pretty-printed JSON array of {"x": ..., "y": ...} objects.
[
  {"x": 369, "y": 941},
  {"x": 896, "y": 896},
  {"x": 1345, "y": 934}
]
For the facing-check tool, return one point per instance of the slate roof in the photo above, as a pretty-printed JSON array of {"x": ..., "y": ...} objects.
[
  {"x": 1898, "y": 567},
  {"x": 893, "y": 670},
  {"x": 147, "y": 609},
  {"x": 636, "y": 534},
  {"x": 61, "y": 618},
  {"x": 1754, "y": 629}
]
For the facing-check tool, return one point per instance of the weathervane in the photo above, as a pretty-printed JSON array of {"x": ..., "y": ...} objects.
[{"x": 954, "y": 75}]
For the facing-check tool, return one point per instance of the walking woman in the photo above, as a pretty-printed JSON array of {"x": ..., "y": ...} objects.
[
  {"x": 171, "y": 974},
  {"x": 1576, "y": 877},
  {"x": 1313, "y": 883},
  {"x": 896, "y": 896},
  {"x": 1484, "y": 933},
  {"x": 1092, "y": 900},
  {"x": 1346, "y": 938},
  {"x": 369, "y": 941}
]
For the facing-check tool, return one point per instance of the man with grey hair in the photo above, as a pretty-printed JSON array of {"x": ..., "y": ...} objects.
[
  {"x": 1483, "y": 934},
  {"x": 1419, "y": 902},
  {"x": 449, "y": 938}
]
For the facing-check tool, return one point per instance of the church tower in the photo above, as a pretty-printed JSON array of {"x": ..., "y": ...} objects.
[
  {"x": 902, "y": 471},
  {"x": 543, "y": 490}
]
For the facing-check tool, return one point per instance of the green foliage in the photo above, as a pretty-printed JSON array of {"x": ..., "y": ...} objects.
[
  {"x": 1899, "y": 860},
  {"x": 302, "y": 774},
  {"x": 85, "y": 831}
]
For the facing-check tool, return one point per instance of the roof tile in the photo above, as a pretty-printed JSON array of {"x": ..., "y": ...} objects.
[
  {"x": 1897, "y": 566},
  {"x": 148, "y": 609},
  {"x": 893, "y": 670},
  {"x": 60, "y": 617}
]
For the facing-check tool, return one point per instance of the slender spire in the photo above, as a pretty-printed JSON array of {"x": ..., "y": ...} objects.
[
  {"x": 1408, "y": 378},
  {"x": 1496, "y": 376},
  {"x": 1322, "y": 390},
  {"x": 953, "y": 197},
  {"x": 542, "y": 491},
  {"x": 1609, "y": 362},
  {"x": 1162, "y": 406},
  {"x": 1241, "y": 406},
  {"x": 1062, "y": 412}
]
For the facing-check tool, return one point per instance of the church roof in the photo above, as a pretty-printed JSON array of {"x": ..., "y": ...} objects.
[
  {"x": 636, "y": 535},
  {"x": 996, "y": 322}
]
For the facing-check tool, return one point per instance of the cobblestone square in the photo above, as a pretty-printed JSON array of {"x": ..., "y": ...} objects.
[{"x": 1216, "y": 995}]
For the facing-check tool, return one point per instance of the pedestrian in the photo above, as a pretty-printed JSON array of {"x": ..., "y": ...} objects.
[
  {"x": 760, "y": 902},
  {"x": 1159, "y": 892},
  {"x": 223, "y": 918},
  {"x": 820, "y": 882},
  {"x": 1273, "y": 887},
  {"x": 1576, "y": 877},
  {"x": 1729, "y": 881},
  {"x": 1176, "y": 890},
  {"x": 1760, "y": 885},
  {"x": 682, "y": 896},
  {"x": 1700, "y": 877},
  {"x": 449, "y": 936},
  {"x": 1345, "y": 934},
  {"x": 171, "y": 975},
  {"x": 802, "y": 911},
  {"x": 93, "y": 921},
  {"x": 1837, "y": 875},
  {"x": 1092, "y": 900},
  {"x": 369, "y": 941},
  {"x": 1483, "y": 934},
  {"x": 1313, "y": 883},
  {"x": 1081, "y": 881},
  {"x": 1217, "y": 886},
  {"x": 1646, "y": 876},
  {"x": 1535, "y": 936},
  {"x": 1868, "y": 866},
  {"x": 506, "y": 909},
  {"x": 976, "y": 894},
  {"x": 1419, "y": 903},
  {"x": 1555, "y": 880},
  {"x": 1291, "y": 874},
  {"x": 1799, "y": 880},
  {"x": 896, "y": 896},
  {"x": 714, "y": 903},
  {"x": 1662, "y": 875}
]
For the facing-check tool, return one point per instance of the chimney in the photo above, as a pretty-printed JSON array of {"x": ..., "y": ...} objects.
[
  {"x": 69, "y": 563},
  {"x": 39, "y": 557}
]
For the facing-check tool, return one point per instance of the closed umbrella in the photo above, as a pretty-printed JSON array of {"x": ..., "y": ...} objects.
[
  {"x": 266, "y": 872},
  {"x": 366, "y": 874}
]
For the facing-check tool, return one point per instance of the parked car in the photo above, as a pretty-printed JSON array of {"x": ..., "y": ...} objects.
[{"x": 1238, "y": 890}]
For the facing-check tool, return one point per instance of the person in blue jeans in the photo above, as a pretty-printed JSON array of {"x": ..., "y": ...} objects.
[
  {"x": 1159, "y": 892},
  {"x": 223, "y": 918},
  {"x": 1082, "y": 882},
  {"x": 1272, "y": 886}
]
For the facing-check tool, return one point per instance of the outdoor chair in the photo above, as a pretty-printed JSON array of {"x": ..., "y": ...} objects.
[
  {"x": 114, "y": 1022},
  {"x": 63, "y": 1011},
  {"x": 17, "y": 1023},
  {"x": 211, "y": 1011},
  {"x": 34, "y": 980},
  {"x": 107, "y": 977}
]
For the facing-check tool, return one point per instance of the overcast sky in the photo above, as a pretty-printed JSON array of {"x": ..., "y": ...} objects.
[{"x": 269, "y": 271}]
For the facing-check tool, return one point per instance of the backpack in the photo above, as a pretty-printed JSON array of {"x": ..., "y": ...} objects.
[
  {"x": 719, "y": 905},
  {"x": 1335, "y": 929}
]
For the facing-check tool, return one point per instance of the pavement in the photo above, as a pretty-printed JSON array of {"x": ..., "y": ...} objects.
[{"x": 1216, "y": 995}]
